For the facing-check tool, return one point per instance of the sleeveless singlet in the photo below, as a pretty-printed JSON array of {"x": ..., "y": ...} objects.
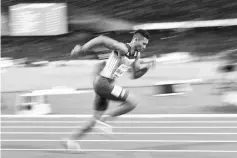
[{"x": 117, "y": 65}]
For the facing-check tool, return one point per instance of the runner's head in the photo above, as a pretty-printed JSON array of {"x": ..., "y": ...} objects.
[{"x": 140, "y": 40}]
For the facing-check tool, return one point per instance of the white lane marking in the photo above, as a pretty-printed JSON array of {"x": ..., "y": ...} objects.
[
  {"x": 126, "y": 127},
  {"x": 121, "y": 150},
  {"x": 129, "y": 116},
  {"x": 118, "y": 133},
  {"x": 115, "y": 122},
  {"x": 113, "y": 140}
]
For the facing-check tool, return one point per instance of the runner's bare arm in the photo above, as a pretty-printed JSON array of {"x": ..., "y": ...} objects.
[
  {"x": 141, "y": 64},
  {"x": 100, "y": 41},
  {"x": 140, "y": 67}
]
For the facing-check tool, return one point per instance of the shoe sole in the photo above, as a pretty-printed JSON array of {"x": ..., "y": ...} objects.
[{"x": 64, "y": 144}]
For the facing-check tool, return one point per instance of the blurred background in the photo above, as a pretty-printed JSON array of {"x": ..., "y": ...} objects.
[
  {"x": 49, "y": 29},
  {"x": 195, "y": 42},
  {"x": 37, "y": 32}
]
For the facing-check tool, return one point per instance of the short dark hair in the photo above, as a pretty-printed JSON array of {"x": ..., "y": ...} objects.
[{"x": 144, "y": 33}]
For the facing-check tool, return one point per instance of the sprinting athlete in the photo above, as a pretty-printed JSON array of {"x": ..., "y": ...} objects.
[{"x": 124, "y": 56}]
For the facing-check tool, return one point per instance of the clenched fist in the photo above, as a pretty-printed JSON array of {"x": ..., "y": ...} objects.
[{"x": 76, "y": 50}]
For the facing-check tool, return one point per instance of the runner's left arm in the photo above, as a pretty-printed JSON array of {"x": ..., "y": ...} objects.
[
  {"x": 140, "y": 67},
  {"x": 141, "y": 63}
]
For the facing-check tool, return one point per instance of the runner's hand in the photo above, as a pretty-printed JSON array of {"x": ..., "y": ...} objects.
[{"x": 76, "y": 50}]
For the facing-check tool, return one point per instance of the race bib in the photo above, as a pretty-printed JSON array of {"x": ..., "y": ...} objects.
[{"x": 120, "y": 70}]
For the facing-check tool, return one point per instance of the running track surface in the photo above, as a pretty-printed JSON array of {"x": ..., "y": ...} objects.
[
  {"x": 133, "y": 137},
  {"x": 172, "y": 137}
]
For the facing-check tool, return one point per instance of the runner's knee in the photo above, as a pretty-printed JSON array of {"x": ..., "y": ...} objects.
[
  {"x": 131, "y": 101},
  {"x": 97, "y": 115}
]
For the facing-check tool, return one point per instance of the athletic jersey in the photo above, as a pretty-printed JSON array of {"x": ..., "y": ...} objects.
[{"x": 116, "y": 65}]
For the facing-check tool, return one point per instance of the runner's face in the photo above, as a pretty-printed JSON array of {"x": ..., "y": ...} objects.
[{"x": 140, "y": 44}]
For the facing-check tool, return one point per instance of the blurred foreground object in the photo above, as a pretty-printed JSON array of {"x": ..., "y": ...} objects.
[
  {"x": 36, "y": 102},
  {"x": 228, "y": 72},
  {"x": 32, "y": 104},
  {"x": 168, "y": 88},
  {"x": 230, "y": 98}
]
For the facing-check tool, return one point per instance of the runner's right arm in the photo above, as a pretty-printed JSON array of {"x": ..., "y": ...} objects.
[{"x": 100, "y": 41}]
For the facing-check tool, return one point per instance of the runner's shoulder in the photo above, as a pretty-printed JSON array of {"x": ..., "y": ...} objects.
[{"x": 124, "y": 48}]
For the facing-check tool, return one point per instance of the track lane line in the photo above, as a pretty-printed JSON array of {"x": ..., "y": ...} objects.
[
  {"x": 117, "y": 133},
  {"x": 128, "y": 150},
  {"x": 113, "y": 140},
  {"x": 129, "y": 116},
  {"x": 168, "y": 122},
  {"x": 126, "y": 127}
]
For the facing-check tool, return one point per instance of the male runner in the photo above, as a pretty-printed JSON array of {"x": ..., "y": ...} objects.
[{"x": 104, "y": 83}]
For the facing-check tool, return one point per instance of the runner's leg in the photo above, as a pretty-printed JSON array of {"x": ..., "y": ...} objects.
[
  {"x": 100, "y": 105},
  {"x": 128, "y": 99}
]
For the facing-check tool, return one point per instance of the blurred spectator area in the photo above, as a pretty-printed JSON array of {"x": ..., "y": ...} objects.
[
  {"x": 159, "y": 10},
  {"x": 199, "y": 41},
  {"x": 88, "y": 18},
  {"x": 147, "y": 10},
  {"x": 41, "y": 47}
]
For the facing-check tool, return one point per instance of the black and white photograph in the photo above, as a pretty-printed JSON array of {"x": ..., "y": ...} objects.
[{"x": 118, "y": 79}]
